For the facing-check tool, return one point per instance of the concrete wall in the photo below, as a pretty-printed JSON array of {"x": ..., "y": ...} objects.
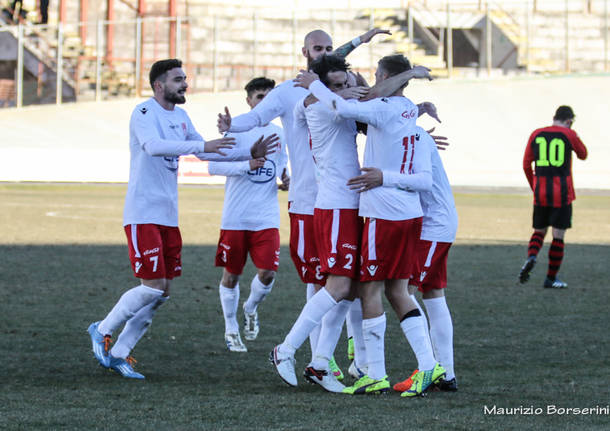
[{"x": 487, "y": 122}]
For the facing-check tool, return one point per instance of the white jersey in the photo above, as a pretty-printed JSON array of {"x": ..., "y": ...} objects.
[
  {"x": 440, "y": 215},
  {"x": 280, "y": 102},
  {"x": 251, "y": 195},
  {"x": 335, "y": 154},
  {"x": 157, "y": 138},
  {"x": 391, "y": 145}
]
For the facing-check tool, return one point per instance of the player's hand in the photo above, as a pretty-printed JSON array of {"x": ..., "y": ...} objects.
[
  {"x": 310, "y": 100},
  {"x": 371, "y": 178},
  {"x": 360, "y": 81},
  {"x": 305, "y": 78},
  {"x": 421, "y": 72},
  {"x": 353, "y": 92},
  {"x": 216, "y": 145},
  {"x": 224, "y": 121},
  {"x": 430, "y": 109},
  {"x": 264, "y": 146},
  {"x": 285, "y": 182},
  {"x": 257, "y": 163},
  {"x": 440, "y": 141},
  {"x": 366, "y": 37}
]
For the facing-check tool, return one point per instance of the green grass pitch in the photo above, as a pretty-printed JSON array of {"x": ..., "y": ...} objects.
[{"x": 63, "y": 264}]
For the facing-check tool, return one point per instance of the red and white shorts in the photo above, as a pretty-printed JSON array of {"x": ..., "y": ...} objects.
[
  {"x": 338, "y": 233},
  {"x": 389, "y": 249},
  {"x": 154, "y": 250},
  {"x": 432, "y": 256},
  {"x": 303, "y": 249},
  {"x": 234, "y": 246}
]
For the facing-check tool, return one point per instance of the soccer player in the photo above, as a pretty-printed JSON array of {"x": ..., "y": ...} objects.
[
  {"x": 391, "y": 229},
  {"x": 280, "y": 102},
  {"x": 550, "y": 149},
  {"x": 159, "y": 133},
  {"x": 250, "y": 223},
  {"x": 439, "y": 227}
]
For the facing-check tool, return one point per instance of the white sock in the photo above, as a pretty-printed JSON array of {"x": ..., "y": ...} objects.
[
  {"x": 332, "y": 324},
  {"x": 374, "y": 333},
  {"x": 425, "y": 321},
  {"x": 135, "y": 328},
  {"x": 441, "y": 332},
  {"x": 314, "y": 335},
  {"x": 127, "y": 306},
  {"x": 354, "y": 317},
  {"x": 310, "y": 317},
  {"x": 258, "y": 292},
  {"x": 413, "y": 328},
  {"x": 229, "y": 299}
]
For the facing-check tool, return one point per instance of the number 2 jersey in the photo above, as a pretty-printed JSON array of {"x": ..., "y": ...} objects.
[{"x": 550, "y": 148}]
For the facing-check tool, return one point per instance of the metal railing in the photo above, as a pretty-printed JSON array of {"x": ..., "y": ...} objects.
[{"x": 223, "y": 52}]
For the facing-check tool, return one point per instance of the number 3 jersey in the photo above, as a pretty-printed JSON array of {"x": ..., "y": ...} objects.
[
  {"x": 251, "y": 195},
  {"x": 550, "y": 148}
]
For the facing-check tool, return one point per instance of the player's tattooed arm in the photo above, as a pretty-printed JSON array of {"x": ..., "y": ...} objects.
[{"x": 345, "y": 49}]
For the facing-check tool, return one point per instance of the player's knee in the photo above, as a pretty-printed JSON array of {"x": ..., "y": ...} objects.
[
  {"x": 433, "y": 293},
  {"x": 229, "y": 280},
  {"x": 266, "y": 276}
]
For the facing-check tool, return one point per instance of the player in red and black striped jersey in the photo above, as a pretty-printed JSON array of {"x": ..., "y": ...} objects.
[{"x": 550, "y": 149}]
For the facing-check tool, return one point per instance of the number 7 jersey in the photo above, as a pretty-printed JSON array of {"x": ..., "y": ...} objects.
[{"x": 550, "y": 148}]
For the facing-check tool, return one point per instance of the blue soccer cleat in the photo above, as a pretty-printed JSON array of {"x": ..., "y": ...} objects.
[
  {"x": 100, "y": 344},
  {"x": 125, "y": 367}
]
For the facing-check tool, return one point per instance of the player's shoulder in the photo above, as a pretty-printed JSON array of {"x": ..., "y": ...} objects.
[{"x": 145, "y": 107}]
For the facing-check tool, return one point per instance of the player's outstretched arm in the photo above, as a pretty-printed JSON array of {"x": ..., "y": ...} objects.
[
  {"x": 389, "y": 86},
  {"x": 345, "y": 49},
  {"x": 264, "y": 146},
  {"x": 428, "y": 108}
]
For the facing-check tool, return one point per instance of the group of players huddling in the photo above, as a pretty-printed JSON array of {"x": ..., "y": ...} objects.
[{"x": 355, "y": 232}]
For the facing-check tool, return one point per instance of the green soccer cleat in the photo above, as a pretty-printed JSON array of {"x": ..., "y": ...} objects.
[
  {"x": 334, "y": 368},
  {"x": 350, "y": 348},
  {"x": 424, "y": 380},
  {"x": 368, "y": 386}
]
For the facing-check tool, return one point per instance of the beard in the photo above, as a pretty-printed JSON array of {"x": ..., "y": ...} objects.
[{"x": 174, "y": 97}]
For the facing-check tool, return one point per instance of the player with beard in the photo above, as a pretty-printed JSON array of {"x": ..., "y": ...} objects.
[
  {"x": 160, "y": 132},
  {"x": 280, "y": 102}
]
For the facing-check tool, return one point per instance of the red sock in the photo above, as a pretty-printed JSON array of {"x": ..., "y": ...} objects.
[
  {"x": 555, "y": 258},
  {"x": 535, "y": 244}
]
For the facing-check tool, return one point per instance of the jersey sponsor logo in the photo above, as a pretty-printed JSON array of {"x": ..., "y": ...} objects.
[
  {"x": 331, "y": 262},
  {"x": 372, "y": 269},
  {"x": 151, "y": 251},
  {"x": 409, "y": 114},
  {"x": 138, "y": 266},
  {"x": 144, "y": 111},
  {"x": 350, "y": 246},
  {"x": 314, "y": 259},
  {"x": 264, "y": 174}
]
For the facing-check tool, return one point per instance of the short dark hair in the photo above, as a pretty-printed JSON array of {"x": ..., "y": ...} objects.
[
  {"x": 158, "y": 71},
  {"x": 260, "y": 83},
  {"x": 326, "y": 64},
  {"x": 394, "y": 64},
  {"x": 564, "y": 113}
]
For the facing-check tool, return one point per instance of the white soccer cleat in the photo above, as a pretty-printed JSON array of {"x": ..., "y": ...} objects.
[
  {"x": 251, "y": 327},
  {"x": 234, "y": 343},
  {"x": 324, "y": 378},
  {"x": 284, "y": 365},
  {"x": 355, "y": 372}
]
